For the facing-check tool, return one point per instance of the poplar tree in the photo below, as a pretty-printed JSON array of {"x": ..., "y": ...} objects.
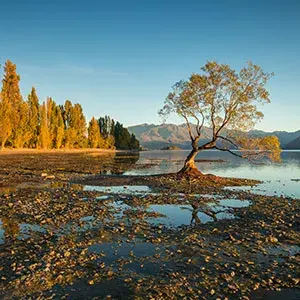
[
  {"x": 122, "y": 137},
  {"x": 5, "y": 121},
  {"x": 34, "y": 118},
  {"x": 51, "y": 121},
  {"x": 94, "y": 135},
  {"x": 44, "y": 136},
  {"x": 134, "y": 143},
  {"x": 75, "y": 125},
  {"x": 67, "y": 118},
  {"x": 22, "y": 131},
  {"x": 110, "y": 142},
  {"x": 116, "y": 136},
  {"x": 13, "y": 103},
  {"x": 28, "y": 124},
  {"x": 59, "y": 128},
  {"x": 79, "y": 126},
  {"x": 106, "y": 125}
]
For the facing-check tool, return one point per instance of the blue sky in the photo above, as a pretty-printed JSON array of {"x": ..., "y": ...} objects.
[{"x": 121, "y": 57}]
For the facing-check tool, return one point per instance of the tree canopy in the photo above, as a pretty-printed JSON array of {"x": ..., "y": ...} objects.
[
  {"x": 228, "y": 102},
  {"x": 50, "y": 126}
]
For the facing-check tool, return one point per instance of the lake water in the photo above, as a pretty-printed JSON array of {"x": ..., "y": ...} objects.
[{"x": 279, "y": 178}]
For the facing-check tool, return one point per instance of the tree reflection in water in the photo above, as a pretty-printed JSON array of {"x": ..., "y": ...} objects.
[
  {"x": 121, "y": 162},
  {"x": 197, "y": 207}
]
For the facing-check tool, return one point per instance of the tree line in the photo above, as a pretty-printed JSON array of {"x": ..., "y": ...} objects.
[{"x": 29, "y": 124}]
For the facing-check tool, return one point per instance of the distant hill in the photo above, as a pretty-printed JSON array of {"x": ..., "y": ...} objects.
[
  {"x": 161, "y": 136},
  {"x": 153, "y": 136},
  {"x": 295, "y": 144}
]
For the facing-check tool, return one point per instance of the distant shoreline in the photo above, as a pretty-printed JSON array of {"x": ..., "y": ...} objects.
[{"x": 37, "y": 151}]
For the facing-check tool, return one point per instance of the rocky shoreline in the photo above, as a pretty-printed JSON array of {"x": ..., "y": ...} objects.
[{"x": 60, "y": 240}]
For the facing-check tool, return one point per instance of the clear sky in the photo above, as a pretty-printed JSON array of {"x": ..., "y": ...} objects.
[{"x": 121, "y": 57}]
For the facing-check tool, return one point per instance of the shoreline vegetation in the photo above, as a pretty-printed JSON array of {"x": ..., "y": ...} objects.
[
  {"x": 67, "y": 151},
  {"x": 29, "y": 124}
]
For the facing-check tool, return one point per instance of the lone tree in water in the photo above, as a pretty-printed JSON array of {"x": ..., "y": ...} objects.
[{"x": 226, "y": 102}]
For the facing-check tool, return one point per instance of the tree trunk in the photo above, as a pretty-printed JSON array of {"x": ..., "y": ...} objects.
[
  {"x": 189, "y": 167},
  {"x": 2, "y": 144}
]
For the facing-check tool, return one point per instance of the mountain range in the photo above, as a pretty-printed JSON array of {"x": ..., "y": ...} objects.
[
  {"x": 294, "y": 144},
  {"x": 153, "y": 136}
]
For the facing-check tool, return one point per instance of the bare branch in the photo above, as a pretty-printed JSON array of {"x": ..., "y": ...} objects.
[
  {"x": 228, "y": 140},
  {"x": 228, "y": 150},
  {"x": 212, "y": 118},
  {"x": 189, "y": 127},
  {"x": 223, "y": 125},
  {"x": 203, "y": 119},
  {"x": 198, "y": 124},
  {"x": 202, "y": 122},
  {"x": 255, "y": 154}
]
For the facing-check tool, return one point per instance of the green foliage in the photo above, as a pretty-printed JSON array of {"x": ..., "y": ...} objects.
[
  {"x": 106, "y": 125},
  {"x": 123, "y": 139},
  {"x": 134, "y": 142}
]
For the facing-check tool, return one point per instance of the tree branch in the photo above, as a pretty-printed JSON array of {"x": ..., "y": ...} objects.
[
  {"x": 228, "y": 140},
  {"x": 202, "y": 123},
  {"x": 212, "y": 116},
  {"x": 228, "y": 150},
  {"x": 198, "y": 126},
  {"x": 198, "y": 121},
  {"x": 247, "y": 156},
  {"x": 223, "y": 125},
  {"x": 208, "y": 145},
  {"x": 234, "y": 104},
  {"x": 189, "y": 127}
]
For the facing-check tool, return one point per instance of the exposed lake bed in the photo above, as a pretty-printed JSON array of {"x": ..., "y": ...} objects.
[{"x": 146, "y": 236}]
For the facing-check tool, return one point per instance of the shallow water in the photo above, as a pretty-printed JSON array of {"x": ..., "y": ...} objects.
[
  {"x": 175, "y": 215},
  {"x": 234, "y": 203},
  {"x": 178, "y": 215},
  {"x": 284, "y": 250},
  {"x": 279, "y": 178},
  {"x": 141, "y": 251},
  {"x": 20, "y": 231},
  {"x": 172, "y": 215}
]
